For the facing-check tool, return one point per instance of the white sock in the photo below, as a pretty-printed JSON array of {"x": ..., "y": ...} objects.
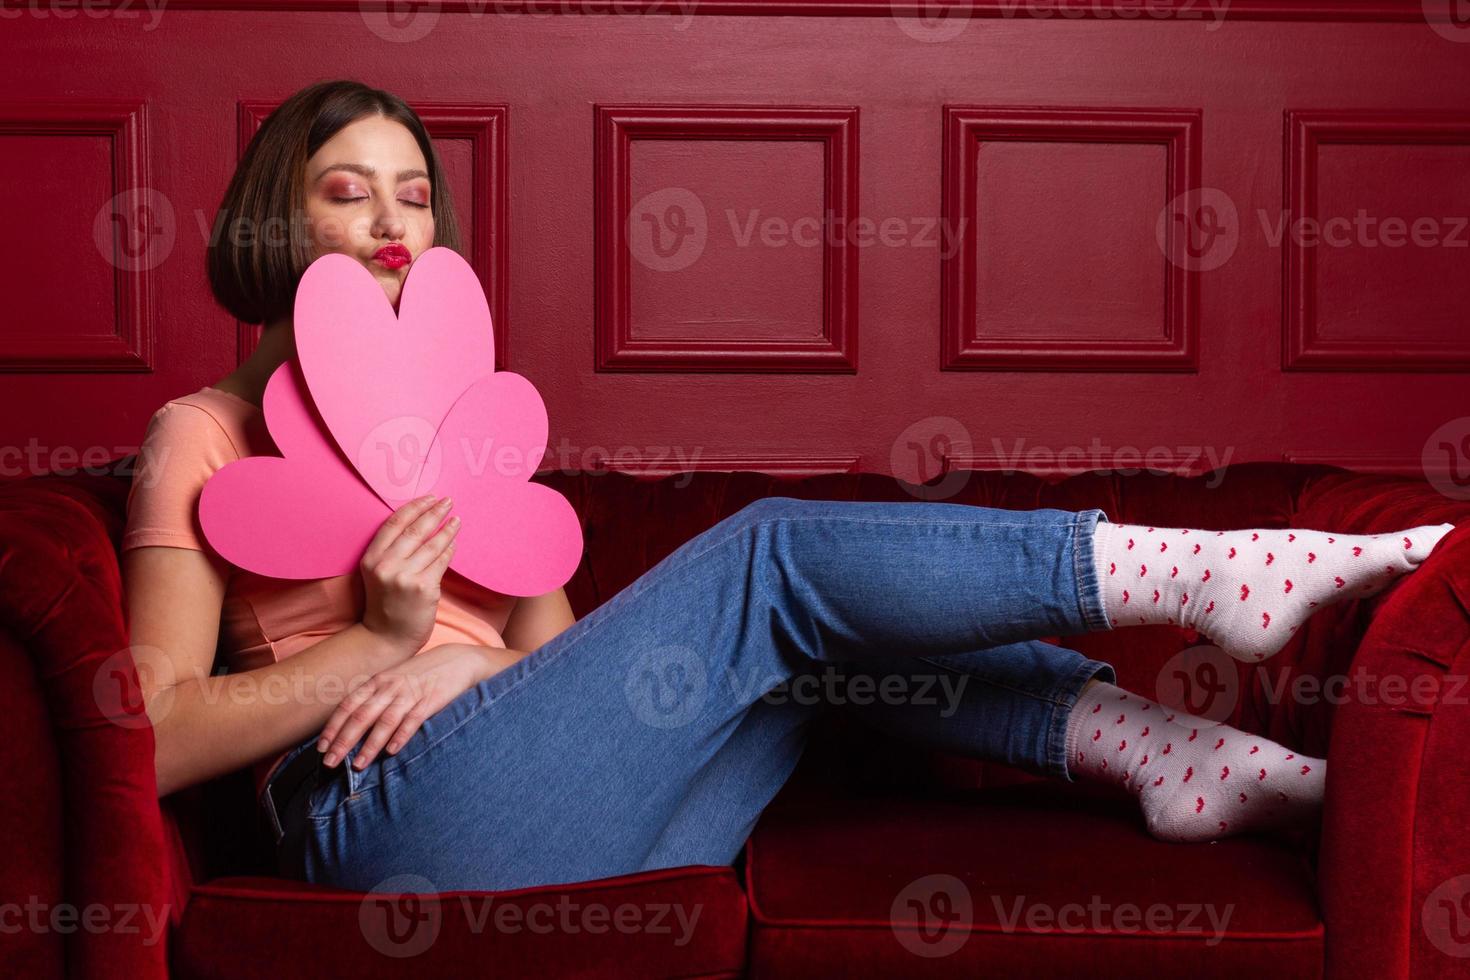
[
  {"x": 1195, "y": 779},
  {"x": 1247, "y": 591}
]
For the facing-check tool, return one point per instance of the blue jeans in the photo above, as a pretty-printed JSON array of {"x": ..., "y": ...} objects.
[{"x": 654, "y": 731}]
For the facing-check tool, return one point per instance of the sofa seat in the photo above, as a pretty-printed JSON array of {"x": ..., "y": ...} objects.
[
  {"x": 678, "y": 922},
  {"x": 1030, "y": 879}
]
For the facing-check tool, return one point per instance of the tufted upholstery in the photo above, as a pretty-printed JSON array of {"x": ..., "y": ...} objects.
[{"x": 862, "y": 816}]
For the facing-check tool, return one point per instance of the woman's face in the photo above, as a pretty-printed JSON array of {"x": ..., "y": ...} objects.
[{"x": 367, "y": 196}]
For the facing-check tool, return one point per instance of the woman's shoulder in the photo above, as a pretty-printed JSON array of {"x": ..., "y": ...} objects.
[{"x": 207, "y": 419}]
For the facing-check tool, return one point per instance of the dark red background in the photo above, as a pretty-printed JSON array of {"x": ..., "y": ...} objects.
[{"x": 1058, "y": 142}]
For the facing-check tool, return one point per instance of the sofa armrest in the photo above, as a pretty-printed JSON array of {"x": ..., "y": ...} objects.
[
  {"x": 61, "y": 608},
  {"x": 1395, "y": 861}
]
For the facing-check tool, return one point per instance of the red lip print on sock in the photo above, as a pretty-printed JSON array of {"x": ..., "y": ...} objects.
[
  {"x": 1290, "y": 755},
  {"x": 1175, "y": 572},
  {"x": 1291, "y": 537},
  {"x": 1156, "y": 597},
  {"x": 1306, "y": 769},
  {"x": 1254, "y": 750},
  {"x": 1188, "y": 773},
  {"x": 1144, "y": 761},
  {"x": 1163, "y": 547},
  {"x": 1168, "y": 747},
  {"x": 1159, "y": 781},
  {"x": 1255, "y": 536},
  {"x": 1097, "y": 735},
  {"x": 1112, "y": 568},
  {"x": 1125, "y": 597},
  {"x": 1207, "y": 576},
  {"x": 1232, "y": 553},
  {"x": 1144, "y": 733},
  {"x": 1193, "y": 734},
  {"x": 1120, "y": 719},
  {"x": 1270, "y": 558},
  {"x": 1261, "y": 776},
  {"x": 1408, "y": 544},
  {"x": 1196, "y": 549},
  {"x": 1225, "y": 772},
  {"x": 1242, "y": 797},
  {"x": 1265, "y": 620},
  {"x": 1130, "y": 544},
  {"x": 1218, "y": 744},
  {"x": 1245, "y": 592},
  {"x": 1211, "y": 607},
  {"x": 1122, "y": 745},
  {"x": 1199, "y": 804},
  {"x": 1288, "y": 586},
  {"x": 1339, "y": 581},
  {"x": 1357, "y": 551},
  {"x": 1311, "y": 557},
  {"x": 1096, "y": 708},
  {"x": 1142, "y": 570}
]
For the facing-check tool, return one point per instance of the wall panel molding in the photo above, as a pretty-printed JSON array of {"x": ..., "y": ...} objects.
[
  {"x": 129, "y": 204},
  {"x": 617, "y": 126},
  {"x": 779, "y": 464},
  {"x": 1303, "y": 349},
  {"x": 965, "y": 128}
]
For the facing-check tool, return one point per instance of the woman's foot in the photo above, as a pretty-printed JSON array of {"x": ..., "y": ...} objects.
[
  {"x": 1196, "y": 780},
  {"x": 1248, "y": 591}
]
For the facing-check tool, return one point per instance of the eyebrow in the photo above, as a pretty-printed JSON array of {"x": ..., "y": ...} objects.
[{"x": 366, "y": 171}]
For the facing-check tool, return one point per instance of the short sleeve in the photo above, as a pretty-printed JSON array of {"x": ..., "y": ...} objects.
[{"x": 181, "y": 449}]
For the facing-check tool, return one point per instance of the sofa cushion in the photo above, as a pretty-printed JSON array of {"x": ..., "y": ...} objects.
[
  {"x": 684, "y": 922},
  {"x": 1024, "y": 880}
]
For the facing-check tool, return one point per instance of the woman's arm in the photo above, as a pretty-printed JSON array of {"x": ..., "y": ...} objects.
[
  {"x": 537, "y": 619},
  {"x": 205, "y": 726}
]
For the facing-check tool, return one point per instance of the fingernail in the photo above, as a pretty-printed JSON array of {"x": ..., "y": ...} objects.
[
  {"x": 447, "y": 501},
  {"x": 321, "y": 744},
  {"x": 454, "y": 521},
  {"x": 330, "y": 760}
]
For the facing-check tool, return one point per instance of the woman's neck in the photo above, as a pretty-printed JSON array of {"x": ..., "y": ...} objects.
[{"x": 277, "y": 345}]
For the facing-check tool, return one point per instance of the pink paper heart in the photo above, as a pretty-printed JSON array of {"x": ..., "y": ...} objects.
[
  {"x": 384, "y": 382},
  {"x": 518, "y": 538},
  {"x": 306, "y": 515}
]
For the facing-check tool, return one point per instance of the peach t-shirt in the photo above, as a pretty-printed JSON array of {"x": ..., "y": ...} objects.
[{"x": 265, "y": 619}]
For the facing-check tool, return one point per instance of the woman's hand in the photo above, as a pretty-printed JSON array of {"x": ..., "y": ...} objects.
[
  {"x": 395, "y": 702},
  {"x": 401, "y": 570}
]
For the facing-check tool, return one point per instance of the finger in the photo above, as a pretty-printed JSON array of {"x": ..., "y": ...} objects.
[
  {"x": 437, "y": 550},
  {"x": 344, "y": 708},
  {"x": 356, "y": 723},
  {"x": 389, "y": 530},
  {"x": 411, "y": 723},
  {"x": 408, "y": 694},
  {"x": 419, "y": 530}
]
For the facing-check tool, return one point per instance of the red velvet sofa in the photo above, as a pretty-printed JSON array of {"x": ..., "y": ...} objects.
[{"x": 1010, "y": 875}]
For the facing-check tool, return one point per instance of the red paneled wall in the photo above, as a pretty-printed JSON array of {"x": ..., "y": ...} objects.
[{"x": 803, "y": 237}]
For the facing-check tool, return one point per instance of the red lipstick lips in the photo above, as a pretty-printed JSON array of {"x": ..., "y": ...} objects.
[{"x": 392, "y": 256}]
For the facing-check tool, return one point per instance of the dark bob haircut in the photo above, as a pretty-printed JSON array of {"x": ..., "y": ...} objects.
[{"x": 254, "y": 268}]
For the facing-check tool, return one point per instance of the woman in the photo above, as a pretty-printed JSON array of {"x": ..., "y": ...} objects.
[{"x": 485, "y": 742}]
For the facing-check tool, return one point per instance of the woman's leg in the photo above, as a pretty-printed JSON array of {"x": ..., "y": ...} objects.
[{"x": 572, "y": 763}]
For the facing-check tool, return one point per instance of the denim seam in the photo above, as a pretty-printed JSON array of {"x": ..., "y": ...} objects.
[
  {"x": 1060, "y": 721},
  {"x": 1094, "y": 617},
  {"x": 527, "y": 668}
]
